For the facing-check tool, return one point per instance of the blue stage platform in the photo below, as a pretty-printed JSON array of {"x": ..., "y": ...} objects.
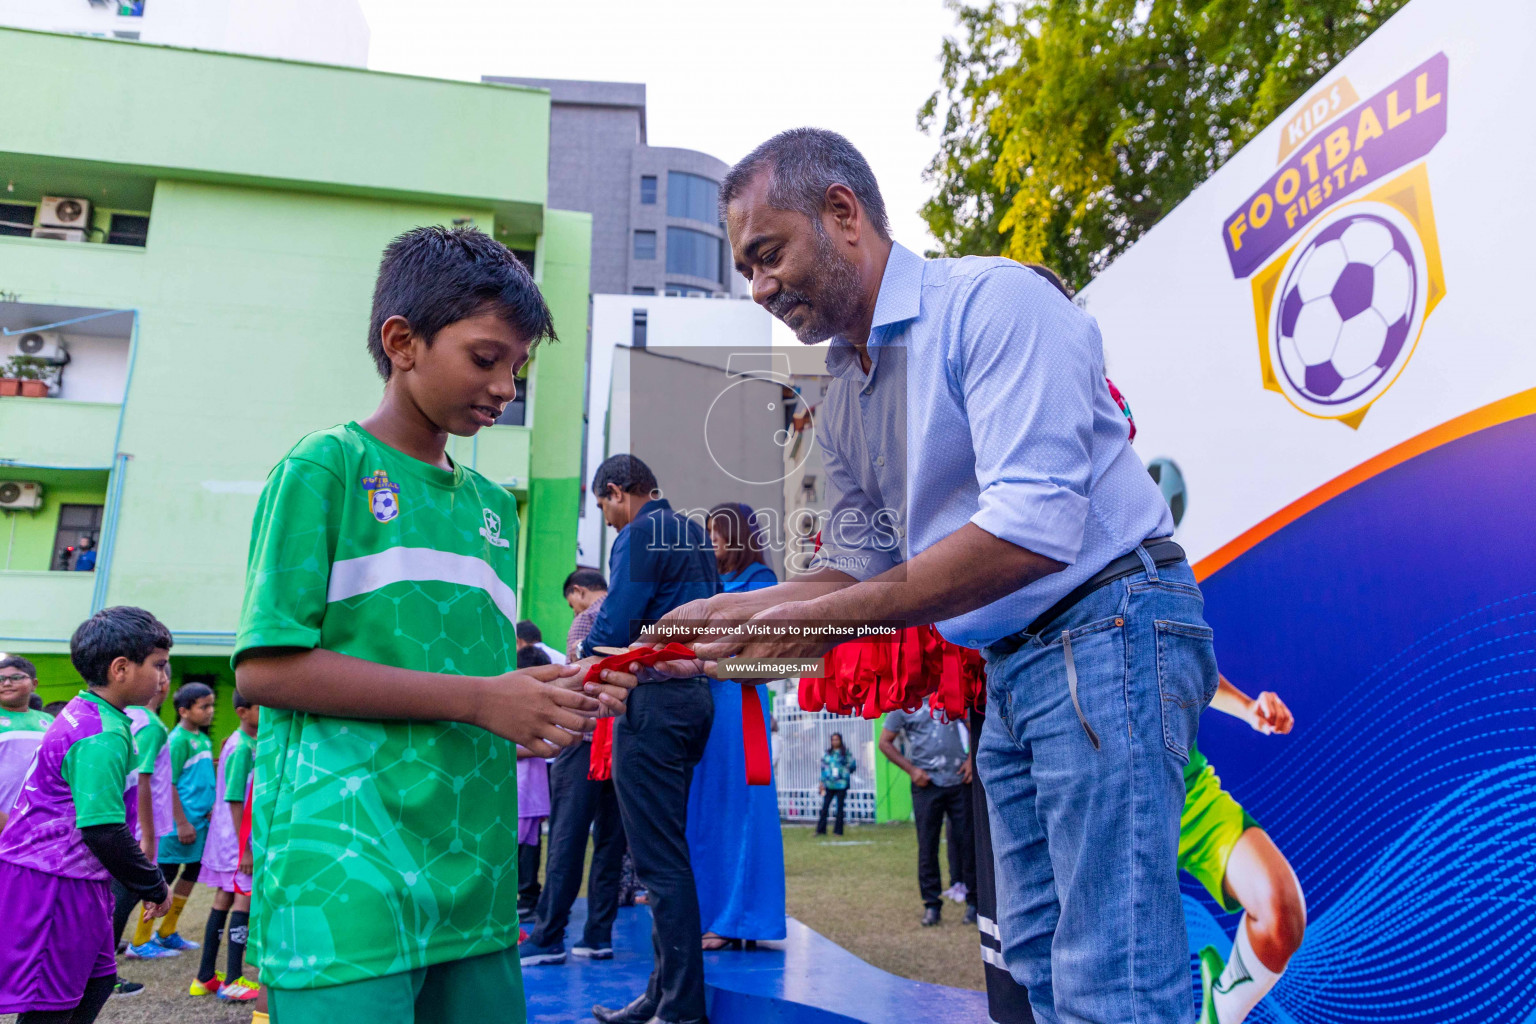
[{"x": 806, "y": 979}]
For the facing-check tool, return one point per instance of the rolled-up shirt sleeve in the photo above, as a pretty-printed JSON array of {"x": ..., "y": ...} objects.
[{"x": 1027, "y": 362}]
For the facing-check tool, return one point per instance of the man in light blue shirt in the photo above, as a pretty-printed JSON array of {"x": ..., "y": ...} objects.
[{"x": 985, "y": 483}]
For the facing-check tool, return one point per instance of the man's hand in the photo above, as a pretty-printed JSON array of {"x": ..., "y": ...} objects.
[
  {"x": 611, "y": 693},
  {"x": 185, "y": 833},
  {"x": 1269, "y": 715},
  {"x": 920, "y": 778},
  {"x": 821, "y": 789},
  {"x": 154, "y": 910},
  {"x": 778, "y": 642},
  {"x": 967, "y": 772},
  {"x": 534, "y": 708}
]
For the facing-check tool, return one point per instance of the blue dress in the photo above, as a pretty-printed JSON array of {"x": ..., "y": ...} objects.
[{"x": 733, "y": 829}]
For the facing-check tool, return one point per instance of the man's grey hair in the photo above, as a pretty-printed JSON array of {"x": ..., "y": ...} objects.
[{"x": 803, "y": 164}]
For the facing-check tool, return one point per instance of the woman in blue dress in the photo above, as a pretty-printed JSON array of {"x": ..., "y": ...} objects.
[{"x": 733, "y": 829}]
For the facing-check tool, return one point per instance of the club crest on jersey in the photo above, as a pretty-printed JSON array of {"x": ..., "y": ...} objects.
[
  {"x": 383, "y": 496},
  {"x": 491, "y": 531}
]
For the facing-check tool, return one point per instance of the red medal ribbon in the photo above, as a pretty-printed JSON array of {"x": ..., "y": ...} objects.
[
  {"x": 755, "y": 735},
  {"x": 600, "y": 765}
]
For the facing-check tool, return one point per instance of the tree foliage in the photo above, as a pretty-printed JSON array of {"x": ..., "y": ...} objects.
[{"x": 1067, "y": 128}]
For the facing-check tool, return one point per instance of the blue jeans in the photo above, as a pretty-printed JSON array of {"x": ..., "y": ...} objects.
[{"x": 1085, "y": 790}]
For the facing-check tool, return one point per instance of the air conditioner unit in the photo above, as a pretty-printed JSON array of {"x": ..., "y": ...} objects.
[
  {"x": 43, "y": 345},
  {"x": 20, "y": 496},
  {"x": 63, "y": 212},
  {"x": 60, "y": 234}
]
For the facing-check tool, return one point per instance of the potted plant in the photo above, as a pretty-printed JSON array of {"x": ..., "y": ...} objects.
[{"x": 32, "y": 373}]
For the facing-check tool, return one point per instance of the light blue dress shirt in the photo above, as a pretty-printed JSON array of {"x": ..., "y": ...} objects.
[{"x": 985, "y": 403}]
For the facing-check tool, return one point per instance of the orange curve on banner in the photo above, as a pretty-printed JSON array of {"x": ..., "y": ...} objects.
[{"x": 1491, "y": 415}]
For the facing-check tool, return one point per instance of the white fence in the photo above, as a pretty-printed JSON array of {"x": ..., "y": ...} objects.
[{"x": 802, "y": 738}]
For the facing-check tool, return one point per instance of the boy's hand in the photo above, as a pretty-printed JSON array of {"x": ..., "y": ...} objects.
[
  {"x": 246, "y": 866},
  {"x": 1269, "y": 715},
  {"x": 154, "y": 910},
  {"x": 185, "y": 833},
  {"x": 612, "y": 692},
  {"x": 537, "y": 708}
]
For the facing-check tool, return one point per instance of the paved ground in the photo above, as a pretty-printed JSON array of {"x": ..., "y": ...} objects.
[{"x": 859, "y": 891}]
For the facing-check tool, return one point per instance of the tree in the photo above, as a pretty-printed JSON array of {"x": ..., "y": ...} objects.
[{"x": 1067, "y": 128}]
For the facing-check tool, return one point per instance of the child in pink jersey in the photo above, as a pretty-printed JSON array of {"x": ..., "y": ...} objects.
[{"x": 221, "y": 865}]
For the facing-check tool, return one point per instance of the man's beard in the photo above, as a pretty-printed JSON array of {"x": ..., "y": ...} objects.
[{"x": 835, "y": 305}]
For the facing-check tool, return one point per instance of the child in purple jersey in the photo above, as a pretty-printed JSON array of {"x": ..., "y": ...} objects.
[
  {"x": 21, "y": 727},
  {"x": 68, "y": 832}
]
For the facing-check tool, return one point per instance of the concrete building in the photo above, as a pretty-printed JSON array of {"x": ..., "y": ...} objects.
[
  {"x": 655, "y": 212},
  {"x": 322, "y": 31},
  {"x": 213, "y": 309}
]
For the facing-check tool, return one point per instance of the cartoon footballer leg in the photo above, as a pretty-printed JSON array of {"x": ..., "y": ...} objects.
[{"x": 1254, "y": 875}]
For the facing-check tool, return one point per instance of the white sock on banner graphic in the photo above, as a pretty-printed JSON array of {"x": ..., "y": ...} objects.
[{"x": 1244, "y": 981}]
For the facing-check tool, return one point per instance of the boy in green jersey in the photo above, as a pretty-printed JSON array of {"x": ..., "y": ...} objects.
[
  {"x": 21, "y": 728},
  {"x": 378, "y": 635},
  {"x": 1228, "y": 852},
  {"x": 192, "y": 778}
]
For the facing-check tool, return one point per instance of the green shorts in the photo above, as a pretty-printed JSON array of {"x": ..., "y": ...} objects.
[
  {"x": 481, "y": 988},
  {"x": 1209, "y": 828}
]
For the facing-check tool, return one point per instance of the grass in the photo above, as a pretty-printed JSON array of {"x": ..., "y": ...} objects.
[
  {"x": 863, "y": 896},
  {"x": 860, "y": 891}
]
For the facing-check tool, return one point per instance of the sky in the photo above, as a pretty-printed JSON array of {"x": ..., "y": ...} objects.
[{"x": 720, "y": 76}]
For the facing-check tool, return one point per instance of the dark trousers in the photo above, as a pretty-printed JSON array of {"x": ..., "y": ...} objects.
[
  {"x": 577, "y": 806},
  {"x": 655, "y": 748},
  {"x": 123, "y": 903},
  {"x": 1007, "y": 1000},
  {"x": 528, "y": 875},
  {"x": 839, "y": 795},
  {"x": 931, "y": 806}
]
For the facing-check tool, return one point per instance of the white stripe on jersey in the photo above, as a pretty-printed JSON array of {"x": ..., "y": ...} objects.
[
  {"x": 17, "y": 735},
  {"x": 351, "y": 577}
]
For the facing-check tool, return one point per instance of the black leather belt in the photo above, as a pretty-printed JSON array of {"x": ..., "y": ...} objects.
[{"x": 1162, "y": 552}]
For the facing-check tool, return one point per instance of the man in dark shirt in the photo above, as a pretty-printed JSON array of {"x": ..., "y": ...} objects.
[{"x": 660, "y": 560}]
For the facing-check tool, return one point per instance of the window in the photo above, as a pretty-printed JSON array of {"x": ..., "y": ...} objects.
[
  {"x": 525, "y": 257},
  {"x": 128, "y": 229},
  {"x": 693, "y": 253},
  {"x": 637, "y": 336},
  {"x": 75, "y": 522},
  {"x": 692, "y": 196},
  {"x": 516, "y": 412},
  {"x": 688, "y": 291},
  {"x": 647, "y": 190},
  {"x": 16, "y": 219},
  {"x": 645, "y": 245},
  {"x": 642, "y": 290}
]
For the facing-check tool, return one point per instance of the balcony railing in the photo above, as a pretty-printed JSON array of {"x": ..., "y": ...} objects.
[
  {"x": 43, "y": 607},
  {"x": 52, "y": 432}
]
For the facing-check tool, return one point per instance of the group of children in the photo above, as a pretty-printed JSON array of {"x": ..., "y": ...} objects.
[
  {"x": 377, "y": 635},
  {"x": 103, "y": 808}
]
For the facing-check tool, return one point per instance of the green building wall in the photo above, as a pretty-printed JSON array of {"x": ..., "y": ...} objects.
[{"x": 268, "y": 212}]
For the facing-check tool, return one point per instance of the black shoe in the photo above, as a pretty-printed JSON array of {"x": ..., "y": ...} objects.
[
  {"x": 931, "y": 917},
  {"x": 970, "y": 915},
  {"x": 638, "y": 1012},
  {"x": 126, "y": 988}
]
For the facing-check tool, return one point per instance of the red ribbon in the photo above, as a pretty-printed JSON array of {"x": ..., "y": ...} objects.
[
  {"x": 755, "y": 735},
  {"x": 600, "y": 766},
  {"x": 646, "y": 656}
]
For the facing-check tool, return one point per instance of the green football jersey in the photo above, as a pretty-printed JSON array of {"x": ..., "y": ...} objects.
[{"x": 381, "y": 846}]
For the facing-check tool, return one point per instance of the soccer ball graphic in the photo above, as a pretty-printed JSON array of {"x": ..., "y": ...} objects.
[
  {"x": 385, "y": 507},
  {"x": 1348, "y": 308}
]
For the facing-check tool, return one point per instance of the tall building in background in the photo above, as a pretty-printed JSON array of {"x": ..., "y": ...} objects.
[
  {"x": 178, "y": 307},
  {"x": 322, "y": 31},
  {"x": 655, "y": 211}
]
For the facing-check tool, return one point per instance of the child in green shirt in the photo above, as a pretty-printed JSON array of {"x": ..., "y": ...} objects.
[{"x": 378, "y": 635}]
